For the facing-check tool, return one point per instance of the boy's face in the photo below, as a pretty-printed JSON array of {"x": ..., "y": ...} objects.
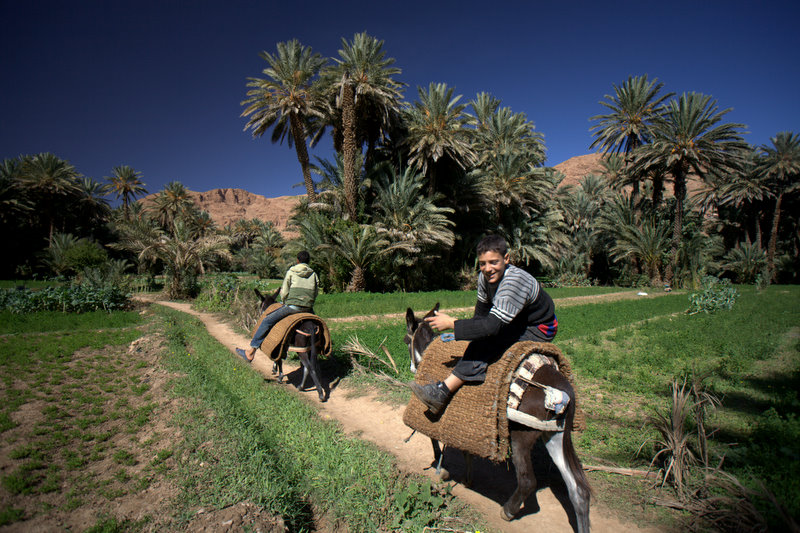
[{"x": 493, "y": 265}]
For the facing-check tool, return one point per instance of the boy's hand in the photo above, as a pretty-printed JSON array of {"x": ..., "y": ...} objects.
[{"x": 441, "y": 321}]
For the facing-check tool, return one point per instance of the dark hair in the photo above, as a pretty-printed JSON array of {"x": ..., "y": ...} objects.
[
  {"x": 492, "y": 243},
  {"x": 303, "y": 257}
]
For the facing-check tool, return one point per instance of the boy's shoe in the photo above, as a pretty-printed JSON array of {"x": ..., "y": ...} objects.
[{"x": 435, "y": 396}]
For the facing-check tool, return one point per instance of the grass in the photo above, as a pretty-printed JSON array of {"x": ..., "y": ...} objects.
[
  {"x": 625, "y": 355},
  {"x": 59, "y": 370},
  {"x": 256, "y": 442},
  {"x": 240, "y": 441},
  {"x": 277, "y": 451},
  {"x": 365, "y": 303}
]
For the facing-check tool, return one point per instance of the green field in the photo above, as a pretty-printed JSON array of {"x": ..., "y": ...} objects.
[{"x": 262, "y": 444}]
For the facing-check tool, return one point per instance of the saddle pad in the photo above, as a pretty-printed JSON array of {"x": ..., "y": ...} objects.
[
  {"x": 475, "y": 421},
  {"x": 279, "y": 339}
]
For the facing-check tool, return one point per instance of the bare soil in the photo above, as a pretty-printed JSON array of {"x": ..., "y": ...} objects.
[{"x": 362, "y": 414}]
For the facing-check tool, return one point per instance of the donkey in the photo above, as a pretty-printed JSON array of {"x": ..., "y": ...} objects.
[
  {"x": 306, "y": 341},
  {"x": 419, "y": 335}
]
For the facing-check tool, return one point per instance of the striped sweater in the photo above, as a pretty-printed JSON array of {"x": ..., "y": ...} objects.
[{"x": 516, "y": 307}]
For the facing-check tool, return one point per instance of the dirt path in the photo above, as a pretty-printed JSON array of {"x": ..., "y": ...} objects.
[{"x": 366, "y": 418}]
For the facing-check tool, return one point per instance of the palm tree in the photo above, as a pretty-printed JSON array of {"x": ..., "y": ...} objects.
[
  {"x": 508, "y": 182},
  {"x": 746, "y": 260},
  {"x": 780, "y": 165},
  {"x": 539, "y": 238},
  {"x": 745, "y": 188},
  {"x": 500, "y": 131},
  {"x": 437, "y": 127},
  {"x": 54, "y": 182},
  {"x": 360, "y": 247},
  {"x": 172, "y": 202},
  {"x": 285, "y": 98},
  {"x": 13, "y": 202},
  {"x": 689, "y": 136},
  {"x": 362, "y": 78},
  {"x": 126, "y": 183},
  {"x": 92, "y": 209},
  {"x": 647, "y": 242},
  {"x": 181, "y": 250},
  {"x": 333, "y": 198},
  {"x": 581, "y": 208},
  {"x": 409, "y": 221},
  {"x": 633, "y": 107}
]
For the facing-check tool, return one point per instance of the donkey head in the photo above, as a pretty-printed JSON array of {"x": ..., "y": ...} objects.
[
  {"x": 419, "y": 335},
  {"x": 266, "y": 301}
]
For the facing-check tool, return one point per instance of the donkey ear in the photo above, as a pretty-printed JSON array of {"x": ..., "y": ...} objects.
[
  {"x": 411, "y": 321},
  {"x": 433, "y": 311},
  {"x": 259, "y": 295}
]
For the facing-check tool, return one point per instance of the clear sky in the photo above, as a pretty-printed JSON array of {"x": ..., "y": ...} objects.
[{"x": 157, "y": 85}]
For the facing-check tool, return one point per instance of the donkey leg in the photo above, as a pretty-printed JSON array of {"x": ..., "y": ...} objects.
[
  {"x": 311, "y": 366},
  {"x": 304, "y": 364},
  {"x": 578, "y": 494},
  {"x": 468, "y": 467},
  {"x": 521, "y": 445}
]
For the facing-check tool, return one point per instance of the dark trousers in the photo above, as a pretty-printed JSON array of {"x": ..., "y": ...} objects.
[{"x": 482, "y": 352}]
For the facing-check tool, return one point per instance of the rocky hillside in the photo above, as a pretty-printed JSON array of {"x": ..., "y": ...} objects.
[
  {"x": 226, "y": 206},
  {"x": 575, "y": 168}
]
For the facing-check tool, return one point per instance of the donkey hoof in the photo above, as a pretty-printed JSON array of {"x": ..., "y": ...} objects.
[
  {"x": 444, "y": 474},
  {"x": 505, "y": 516}
]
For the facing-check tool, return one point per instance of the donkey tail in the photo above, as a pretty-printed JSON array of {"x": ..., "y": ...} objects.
[{"x": 570, "y": 455}]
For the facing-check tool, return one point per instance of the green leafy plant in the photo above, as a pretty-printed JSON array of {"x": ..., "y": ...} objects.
[
  {"x": 716, "y": 294},
  {"x": 418, "y": 505}
]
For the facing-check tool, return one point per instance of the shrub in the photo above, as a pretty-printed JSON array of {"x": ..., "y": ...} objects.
[
  {"x": 67, "y": 299},
  {"x": 716, "y": 294}
]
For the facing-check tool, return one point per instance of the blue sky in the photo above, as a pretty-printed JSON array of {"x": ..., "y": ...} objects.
[{"x": 157, "y": 85}]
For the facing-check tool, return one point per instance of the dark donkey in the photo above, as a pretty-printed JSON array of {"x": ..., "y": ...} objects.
[
  {"x": 306, "y": 340},
  {"x": 559, "y": 446}
]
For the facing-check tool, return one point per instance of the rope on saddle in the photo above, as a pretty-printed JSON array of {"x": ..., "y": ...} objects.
[{"x": 555, "y": 399}]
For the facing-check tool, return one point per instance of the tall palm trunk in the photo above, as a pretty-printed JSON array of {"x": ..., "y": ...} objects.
[
  {"x": 679, "y": 175},
  {"x": 773, "y": 238},
  {"x": 658, "y": 188},
  {"x": 298, "y": 134},
  {"x": 758, "y": 231},
  {"x": 349, "y": 146}
]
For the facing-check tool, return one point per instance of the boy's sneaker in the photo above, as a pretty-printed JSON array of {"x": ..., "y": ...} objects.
[{"x": 435, "y": 396}]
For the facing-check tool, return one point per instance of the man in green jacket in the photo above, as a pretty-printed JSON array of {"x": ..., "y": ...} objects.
[{"x": 298, "y": 293}]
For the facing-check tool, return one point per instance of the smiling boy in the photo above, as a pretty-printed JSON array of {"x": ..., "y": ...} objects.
[{"x": 511, "y": 307}]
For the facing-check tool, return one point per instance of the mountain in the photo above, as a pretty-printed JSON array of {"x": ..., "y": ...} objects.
[
  {"x": 226, "y": 206},
  {"x": 575, "y": 168}
]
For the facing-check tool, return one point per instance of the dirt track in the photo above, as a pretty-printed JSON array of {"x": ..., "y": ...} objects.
[{"x": 365, "y": 417}]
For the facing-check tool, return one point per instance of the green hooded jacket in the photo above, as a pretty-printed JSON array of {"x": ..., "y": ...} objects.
[{"x": 300, "y": 286}]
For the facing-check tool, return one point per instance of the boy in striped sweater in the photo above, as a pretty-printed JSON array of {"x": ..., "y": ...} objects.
[{"x": 511, "y": 307}]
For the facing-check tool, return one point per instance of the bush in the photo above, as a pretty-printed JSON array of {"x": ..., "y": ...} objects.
[
  {"x": 67, "y": 299},
  {"x": 84, "y": 254},
  {"x": 716, "y": 294}
]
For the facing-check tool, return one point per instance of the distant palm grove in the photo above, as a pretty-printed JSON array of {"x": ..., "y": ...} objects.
[{"x": 415, "y": 184}]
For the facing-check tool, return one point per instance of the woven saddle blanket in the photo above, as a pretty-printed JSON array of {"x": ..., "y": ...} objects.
[
  {"x": 280, "y": 337},
  {"x": 475, "y": 421}
]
